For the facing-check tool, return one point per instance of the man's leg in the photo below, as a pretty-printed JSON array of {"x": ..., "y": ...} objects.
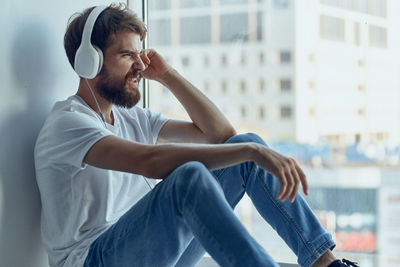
[
  {"x": 157, "y": 230},
  {"x": 294, "y": 222}
]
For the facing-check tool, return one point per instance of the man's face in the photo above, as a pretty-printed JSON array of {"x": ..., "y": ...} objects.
[{"x": 118, "y": 81}]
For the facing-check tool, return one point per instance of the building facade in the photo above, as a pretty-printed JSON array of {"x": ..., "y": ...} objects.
[{"x": 304, "y": 71}]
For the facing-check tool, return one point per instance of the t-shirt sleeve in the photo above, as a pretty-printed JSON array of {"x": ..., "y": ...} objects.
[
  {"x": 157, "y": 121},
  {"x": 68, "y": 137}
]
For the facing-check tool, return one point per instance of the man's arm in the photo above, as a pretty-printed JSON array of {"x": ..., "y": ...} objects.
[
  {"x": 208, "y": 124},
  {"x": 157, "y": 161}
]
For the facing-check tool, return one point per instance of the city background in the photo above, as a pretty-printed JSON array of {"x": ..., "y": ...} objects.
[{"x": 320, "y": 81}]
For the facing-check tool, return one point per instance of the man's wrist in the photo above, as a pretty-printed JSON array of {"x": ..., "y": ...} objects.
[
  {"x": 252, "y": 151},
  {"x": 167, "y": 76}
]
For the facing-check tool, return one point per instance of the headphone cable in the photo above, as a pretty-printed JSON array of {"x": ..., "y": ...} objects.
[
  {"x": 104, "y": 121},
  {"x": 97, "y": 103}
]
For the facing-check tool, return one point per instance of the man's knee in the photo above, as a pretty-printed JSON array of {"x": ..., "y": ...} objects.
[
  {"x": 192, "y": 168},
  {"x": 248, "y": 137},
  {"x": 193, "y": 173}
]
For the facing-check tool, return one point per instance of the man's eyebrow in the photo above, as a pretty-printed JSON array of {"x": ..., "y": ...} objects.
[{"x": 128, "y": 52}]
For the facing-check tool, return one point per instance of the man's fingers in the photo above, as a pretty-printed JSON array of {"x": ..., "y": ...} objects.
[
  {"x": 291, "y": 183},
  {"x": 296, "y": 179},
  {"x": 303, "y": 179},
  {"x": 145, "y": 57},
  {"x": 283, "y": 181},
  {"x": 287, "y": 177},
  {"x": 296, "y": 185}
]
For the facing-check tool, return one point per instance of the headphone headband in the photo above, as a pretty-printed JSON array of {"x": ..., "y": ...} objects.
[
  {"x": 89, "y": 58},
  {"x": 90, "y": 21}
]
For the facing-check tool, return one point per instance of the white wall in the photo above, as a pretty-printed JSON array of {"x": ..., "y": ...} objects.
[{"x": 34, "y": 72}]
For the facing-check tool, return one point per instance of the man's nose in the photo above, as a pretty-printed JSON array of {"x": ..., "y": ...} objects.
[{"x": 138, "y": 63}]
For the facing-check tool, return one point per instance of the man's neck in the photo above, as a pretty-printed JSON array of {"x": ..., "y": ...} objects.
[{"x": 86, "y": 95}]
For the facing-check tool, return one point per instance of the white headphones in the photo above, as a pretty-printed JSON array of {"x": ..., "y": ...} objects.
[{"x": 89, "y": 58}]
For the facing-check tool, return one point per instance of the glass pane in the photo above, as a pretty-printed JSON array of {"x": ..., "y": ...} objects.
[
  {"x": 195, "y": 30},
  {"x": 234, "y": 27},
  {"x": 163, "y": 29},
  {"x": 332, "y": 28},
  {"x": 194, "y": 3},
  {"x": 315, "y": 89},
  {"x": 377, "y": 36},
  {"x": 159, "y": 5},
  {"x": 232, "y": 2}
]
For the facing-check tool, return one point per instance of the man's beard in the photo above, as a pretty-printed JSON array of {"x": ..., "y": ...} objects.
[{"x": 115, "y": 91}]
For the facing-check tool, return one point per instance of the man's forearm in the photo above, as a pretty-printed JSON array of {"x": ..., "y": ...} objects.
[
  {"x": 203, "y": 112},
  {"x": 157, "y": 161},
  {"x": 167, "y": 157}
]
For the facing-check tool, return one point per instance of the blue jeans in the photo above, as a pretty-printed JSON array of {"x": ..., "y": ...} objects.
[{"x": 190, "y": 212}]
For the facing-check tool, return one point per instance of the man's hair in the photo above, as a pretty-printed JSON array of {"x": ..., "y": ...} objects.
[{"x": 112, "y": 20}]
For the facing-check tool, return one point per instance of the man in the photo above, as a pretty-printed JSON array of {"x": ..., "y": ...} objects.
[{"x": 97, "y": 148}]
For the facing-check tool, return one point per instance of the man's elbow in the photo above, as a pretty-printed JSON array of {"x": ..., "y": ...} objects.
[{"x": 225, "y": 135}]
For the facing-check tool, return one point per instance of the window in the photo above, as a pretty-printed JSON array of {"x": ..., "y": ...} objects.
[
  {"x": 363, "y": 6},
  {"x": 285, "y": 85},
  {"x": 351, "y": 5},
  {"x": 285, "y": 57},
  {"x": 195, "y": 30},
  {"x": 377, "y": 36},
  {"x": 261, "y": 85},
  {"x": 311, "y": 84},
  {"x": 357, "y": 33},
  {"x": 243, "y": 87},
  {"x": 261, "y": 58},
  {"x": 331, "y": 28},
  {"x": 371, "y": 7},
  {"x": 281, "y": 3},
  {"x": 185, "y": 61},
  {"x": 334, "y": 3},
  {"x": 260, "y": 26},
  {"x": 163, "y": 29},
  {"x": 377, "y": 8},
  {"x": 191, "y": 3},
  {"x": 340, "y": 97},
  {"x": 233, "y": 2},
  {"x": 224, "y": 87},
  {"x": 234, "y": 28},
  {"x": 286, "y": 112},
  {"x": 160, "y": 5},
  {"x": 206, "y": 61},
  {"x": 243, "y": 111},
  {"x": 224, "y": 60},
  {"x": 243, "y": 59},
  {"x": 261, "y": 112}
]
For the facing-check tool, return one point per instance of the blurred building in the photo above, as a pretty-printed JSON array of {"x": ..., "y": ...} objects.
[{"x": 303, "y": 71}]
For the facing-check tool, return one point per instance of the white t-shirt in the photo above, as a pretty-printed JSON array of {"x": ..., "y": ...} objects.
[{"x": 79, "y": 201}]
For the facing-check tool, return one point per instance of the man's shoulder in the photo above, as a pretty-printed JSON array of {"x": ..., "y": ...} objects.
[
  {"x": 67, "y": 115},
  {"x": 73, "y": 108}
]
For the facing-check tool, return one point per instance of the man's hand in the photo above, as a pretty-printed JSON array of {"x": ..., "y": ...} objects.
[
  {"x": 156, "y": 66},
  {"x": 285, "y": 169}
]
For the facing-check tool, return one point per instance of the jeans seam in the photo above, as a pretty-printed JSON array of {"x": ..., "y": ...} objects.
[
  {"x": 124, "y": 234},
  {"x": 284, "y": 213},
  {"x": 319, "y": 251},
  {"x": 222, "y": 172},
  {"x": 204, "y": 229}
]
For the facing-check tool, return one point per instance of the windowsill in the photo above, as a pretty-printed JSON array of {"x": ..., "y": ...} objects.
[{"x": 209, "y": 262}]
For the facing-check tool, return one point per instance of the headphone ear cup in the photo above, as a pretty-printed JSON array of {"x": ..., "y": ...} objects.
[
  {"x": 101, "y": 58},
  {"x": 86, "y": 61}
]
